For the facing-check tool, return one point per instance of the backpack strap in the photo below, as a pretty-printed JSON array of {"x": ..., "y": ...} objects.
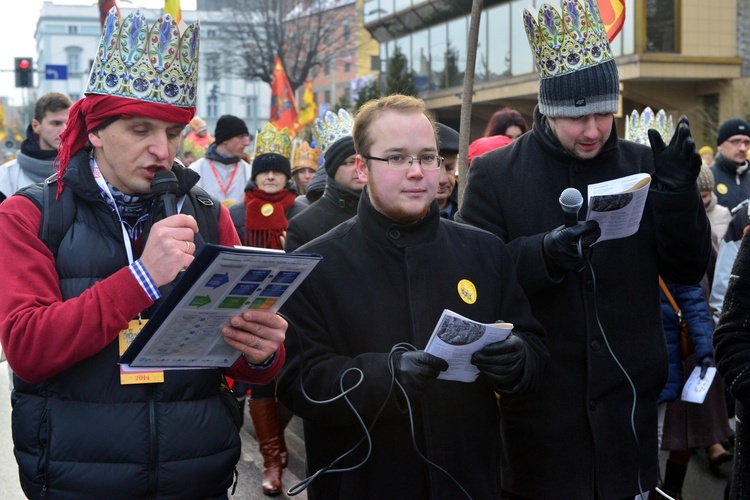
[
  {"x": 207, "y": 213},
  {"x": 57, "y": 214}
]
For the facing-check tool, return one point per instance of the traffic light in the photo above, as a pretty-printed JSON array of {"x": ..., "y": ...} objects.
[{"x": 24, "y": 72}]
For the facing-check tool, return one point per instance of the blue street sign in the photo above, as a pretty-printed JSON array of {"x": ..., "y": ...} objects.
[{"x": 56, "y": 72}]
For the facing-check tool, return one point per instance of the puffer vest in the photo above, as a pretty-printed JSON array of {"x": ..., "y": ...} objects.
[{"x": 81, "y": 434}]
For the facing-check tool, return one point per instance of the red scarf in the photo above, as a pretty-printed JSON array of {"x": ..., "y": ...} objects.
[
  {"x": 94, "y": 109},
  {"x": 265, "y": 219}
]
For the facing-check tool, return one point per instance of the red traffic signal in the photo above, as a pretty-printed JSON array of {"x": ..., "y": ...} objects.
[{"x": 24, "y": 72}]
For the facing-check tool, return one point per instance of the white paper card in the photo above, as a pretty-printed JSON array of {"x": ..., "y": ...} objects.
[{"x": 695, "y": 388}]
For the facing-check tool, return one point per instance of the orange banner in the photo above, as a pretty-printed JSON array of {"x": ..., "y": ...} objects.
[
  {"x": 613, "y": 16},
  {"x": 283, "y": 106}
]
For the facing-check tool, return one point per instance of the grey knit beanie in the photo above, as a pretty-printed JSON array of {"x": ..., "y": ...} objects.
[{"x": 591, "y": 90}]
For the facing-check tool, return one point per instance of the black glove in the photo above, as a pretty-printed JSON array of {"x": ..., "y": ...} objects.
[
  {"x": 560, "y": 245},
  {"x": 676, "y": 167},
  {"x": 415, "y": 369},
  {"x": 705, "y": 364},
  {"x": 503, "y": 362}
]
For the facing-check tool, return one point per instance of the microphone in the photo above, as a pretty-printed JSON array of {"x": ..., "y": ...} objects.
[
  {"x": 165, "y": 186},
  {"x": 571, "y": 202}
]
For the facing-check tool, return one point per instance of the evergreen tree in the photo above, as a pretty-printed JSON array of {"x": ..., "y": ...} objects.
[
  {"x": 399, "y": 78},
  {"x": 368, "y": 92}
]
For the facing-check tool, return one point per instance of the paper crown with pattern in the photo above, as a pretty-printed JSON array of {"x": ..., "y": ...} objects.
[
  {"x": 567, "y": 43},
  {"x": 332, "y": 127},
  {"x": 158, "y": 65},
  {"x": 637, "y": 125},
  {"x": 305, "y": 156},
  {"x": 271, "y": 140}
]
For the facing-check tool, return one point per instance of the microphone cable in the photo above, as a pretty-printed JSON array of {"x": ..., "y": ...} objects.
[
  {"x": 367, "y": 430},
  {"x": 617, "y": 361}
]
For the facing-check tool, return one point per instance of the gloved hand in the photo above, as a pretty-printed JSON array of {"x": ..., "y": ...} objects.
[
  {"x": 503, "y": 362},
  {"x": 560, "y": 249},
  {"x": 705, "y": 364},
  {"x": 676, "y": 167},
  {"x": 415, "y": 369}
]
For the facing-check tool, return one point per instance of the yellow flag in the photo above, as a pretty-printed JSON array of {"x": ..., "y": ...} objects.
[
  {"x": 16, "y": 135},
  {"x": 3, "y": 126},
  {"x": 172, "y": 7},
  {"x": 309, "y": 109}
]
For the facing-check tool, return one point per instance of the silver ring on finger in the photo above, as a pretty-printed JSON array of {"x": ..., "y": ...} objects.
[{"x": 257, "y": 344}]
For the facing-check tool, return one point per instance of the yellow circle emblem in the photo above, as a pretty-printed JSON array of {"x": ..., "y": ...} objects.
[
  {"x": 722, "y": 189},
  {"x": 467, "y": 291},
  {"x": 266, "y": 209}
]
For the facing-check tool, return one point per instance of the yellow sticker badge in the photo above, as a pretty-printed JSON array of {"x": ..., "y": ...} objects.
[
  {"x": 467, "y": 291},
  {"x": 722, "y": 189},
  {"x": 266, "y": 210}
]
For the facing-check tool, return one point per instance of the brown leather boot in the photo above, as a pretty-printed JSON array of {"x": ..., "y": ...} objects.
[
  {"x": 263, "y": 413},
  {"x": 283, "y": 416}
]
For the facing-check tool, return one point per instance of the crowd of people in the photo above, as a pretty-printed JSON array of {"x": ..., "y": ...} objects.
[{"x": 577, "y": 401}]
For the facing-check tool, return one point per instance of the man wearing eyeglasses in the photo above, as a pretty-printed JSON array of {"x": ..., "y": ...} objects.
[
  {"x": 731, "y": 167},
  {"x": 383, "y": 281}
]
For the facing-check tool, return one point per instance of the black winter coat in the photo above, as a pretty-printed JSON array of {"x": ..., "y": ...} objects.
[
  {"x": 730, "y": 187},
  {"x": 573, "y": 438},
  {"x": 336, "y": 206},
  {"x": 379, "y": 284}
]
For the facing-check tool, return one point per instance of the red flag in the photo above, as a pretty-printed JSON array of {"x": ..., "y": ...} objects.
[
  {"x": 613, "y": 16},
  {"x": 283, "y": 106},
  {"x": 104, "y": 7}
]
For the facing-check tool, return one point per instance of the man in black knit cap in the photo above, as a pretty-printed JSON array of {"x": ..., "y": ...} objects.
[
  {"x": 732, "y": 184},
  {"x": 343, "y": 187}
]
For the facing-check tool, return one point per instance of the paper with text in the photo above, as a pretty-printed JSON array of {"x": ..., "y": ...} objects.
[
  {"x": 618, "y": 205},
  {"x": 695, "y": 388},
  {"x": 456, "y": 338}
]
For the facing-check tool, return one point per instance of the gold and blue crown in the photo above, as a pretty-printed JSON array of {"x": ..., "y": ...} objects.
[
  {"x": 568, "y": 43},
  {"x": 332, "y": 127},
  {"x": 637, "y": 125},
  {"x": 306, "y": 156},
  {"x": 271, "y": 140},
  {"x": 157, "y": 65}
]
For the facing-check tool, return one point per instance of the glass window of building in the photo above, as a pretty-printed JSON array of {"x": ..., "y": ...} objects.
[
  {"x": 401, "y": 5},
  {"x": 211, "y": 63},
  {"x": 498, "y": 41},
  {"x": 438, "y": 47},
  {"x": 455, "y": 57},
  {"x": 251, "y": 106},
  {"x": 73, "y": 56},
  {"x": 327, "y": 97},
  {"x": 660, "y": 26},
  {"x": 420, "y": 60},
  {"x": 213, "y": 106},
  {"x": 482, "y": 66},
  {"x": 521, "y": 59},
  {"x": 72, "y": 30}
]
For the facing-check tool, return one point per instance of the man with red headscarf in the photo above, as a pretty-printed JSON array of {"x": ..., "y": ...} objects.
[{"x": 77, "y": 291}]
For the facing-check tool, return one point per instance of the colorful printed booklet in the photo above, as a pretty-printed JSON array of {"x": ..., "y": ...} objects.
[{"x": 185, "y": 330}]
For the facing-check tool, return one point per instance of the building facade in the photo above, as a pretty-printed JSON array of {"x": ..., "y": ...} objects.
[
  {"x": 683, "y": 56},
  {"x": 68, "y": 35}
]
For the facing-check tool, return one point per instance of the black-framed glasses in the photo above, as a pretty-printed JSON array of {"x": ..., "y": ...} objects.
[{"x": 403, "y": 162}]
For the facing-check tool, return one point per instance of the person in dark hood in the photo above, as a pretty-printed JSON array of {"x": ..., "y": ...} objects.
[{"x": 36, "y": 160}]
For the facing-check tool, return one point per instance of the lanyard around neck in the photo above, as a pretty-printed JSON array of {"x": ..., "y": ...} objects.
[{"x": 224, "y": 190}]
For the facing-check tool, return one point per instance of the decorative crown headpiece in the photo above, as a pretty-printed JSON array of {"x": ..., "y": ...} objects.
[
  {"x": 636, "y": 126},
  {"x": 158, "y": 65},
  {"x": 271, "y": 140},
  {"x": 306, "y": 156},
  {"x": 569, "y": 43},
  {"x": 332, "y": 127}
]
